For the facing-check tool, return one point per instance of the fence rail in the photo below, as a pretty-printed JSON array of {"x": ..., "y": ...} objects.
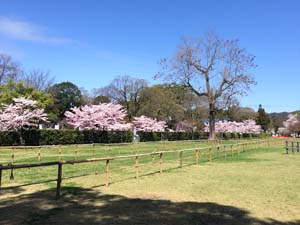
[
  {"x": 60, "y": 150},
  {"x": 292, "y": 145},
  {"x": 228, "y": 149},
  {"x": 216, "y": 141}
]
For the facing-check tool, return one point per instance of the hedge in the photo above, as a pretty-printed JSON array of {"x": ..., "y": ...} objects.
[
  {"x": 170, "y": 136},
  {"x": 228, "y": 136},
  {"x": 8, "y": 138},
  {"x": 55, "y": 137}
]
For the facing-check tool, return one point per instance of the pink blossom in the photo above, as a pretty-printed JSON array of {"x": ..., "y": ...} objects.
[
  {"x": 147, "y": 124},
  {"x": 246, "y": 126},
  {"x": 105, "y": 116},
  {"x": 21, "y": 113},
  {"x": 292, "y": 120}
]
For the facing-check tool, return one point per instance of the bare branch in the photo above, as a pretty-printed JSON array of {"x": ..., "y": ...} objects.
[
  {"x": 218, "y": 67},
  {"x": 8, "y": 69},
  {"x": 39, "y": 79}
]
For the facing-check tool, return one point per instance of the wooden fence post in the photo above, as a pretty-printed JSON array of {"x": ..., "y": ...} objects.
[
  {"x": 59, "y": 152},
  {"x": 93, "y": 148},
  {"x": 225, "y": 154},
  {"x": 197, "y": 157},
  {"x": 11, "y": 177},
  {"x": 39, "y": 154},
  {"x": 218, "y": 150},
  {"x": 260, "y": 143},
  {"x": 238, "y": 148},
  {"x": 160, "y": 163},
  {"x": 12, "y": 163},
  {"x": 12, "y": 155},
  {"x": 231, "y": 148},
  {"x": 180, "y": 159},
  {"x": 136, "y": 166},
  {"x": 0, "y": 174},
  {"x": 287, "y": 147},
  {"x": 293, "y": 147},
  {"x": 75, "y": 151},
  {"x": 153, "y": 158},
  {"x": 107, "y": 173},
  {"x": 298, "y": 147},
  {"x": 59, "y": 178}
]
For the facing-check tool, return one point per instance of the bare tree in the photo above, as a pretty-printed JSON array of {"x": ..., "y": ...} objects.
[
  {"x": 126, "y": 91},
  {"x": 39, "y": 79},
  {"x": 8, "y": 69},
  {"x": 86, "y": 96},
  {"x": 212, "y": 67}
]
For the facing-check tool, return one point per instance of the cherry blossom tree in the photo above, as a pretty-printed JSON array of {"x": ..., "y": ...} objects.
[
  {"x": 105, "y": 116},
  {"x": 250, "y": 126},
  {"x": 147, "y": 124},
  {"x": 288, "y": 124},
  {"x": 22, "y": 113},
  {"x": 246, "y": 126}
]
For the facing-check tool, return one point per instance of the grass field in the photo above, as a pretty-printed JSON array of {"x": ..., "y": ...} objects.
[
  {"x": 123, "y": 168},
  {"x": 69, "y": 152},
  {"x": 260, "y": 186}
]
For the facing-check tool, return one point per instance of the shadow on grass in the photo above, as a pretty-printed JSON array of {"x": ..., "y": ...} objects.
[
  {"x": 248, "y": 157},
  {"x": 11, "y": 190},
  {"x": 87, "y": 206}
]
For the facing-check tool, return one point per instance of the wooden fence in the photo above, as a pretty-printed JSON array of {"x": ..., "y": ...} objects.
[
  {"x": 93, "y": 146},
  {"x": 76, "y": 147},
  {"x": 292, "y": 145},
  {"x": 221, "y": 151}
]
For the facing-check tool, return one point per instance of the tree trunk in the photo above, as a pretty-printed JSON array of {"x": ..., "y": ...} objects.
[
  {"x": 22, "y": 142},
  {"x": 212, "y": 122}
]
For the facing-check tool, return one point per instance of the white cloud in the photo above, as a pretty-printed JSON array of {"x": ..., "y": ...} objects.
[
  {"x": 120, "y": 58},
  {"x": 24, "y": 30}
]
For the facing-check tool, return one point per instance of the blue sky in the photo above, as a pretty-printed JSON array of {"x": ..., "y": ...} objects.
[{"x": 91, "y": 42}]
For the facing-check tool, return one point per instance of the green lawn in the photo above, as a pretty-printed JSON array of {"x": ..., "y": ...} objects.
[
  {"x": 125, "y": 167},
  {"x": 260, "y": 186},
  {"x": 69, "y": 152}
]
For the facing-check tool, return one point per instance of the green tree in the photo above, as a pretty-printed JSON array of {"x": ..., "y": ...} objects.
[
  {"x": 237, "y": 113},
  {"x": 263, "y": 118},
  {"x": 159, "y": 101},
  {"x": 100, "y": 99},
  {"x": 13, "y": 89},
  {"x": 65, "y": 96},
  {"x": 173, "y": 103}
]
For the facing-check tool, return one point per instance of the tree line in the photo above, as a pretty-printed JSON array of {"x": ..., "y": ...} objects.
[{"x": 201, "y": 82}]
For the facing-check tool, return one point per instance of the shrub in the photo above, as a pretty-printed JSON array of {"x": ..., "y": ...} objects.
[
  {"x": 227, "y": 136},
  {"x": 170, "y": 136},
  {"x": 236, "y": 136},
  {"x": 8, "y": 138},
  {"x": 64, "y": 137}
]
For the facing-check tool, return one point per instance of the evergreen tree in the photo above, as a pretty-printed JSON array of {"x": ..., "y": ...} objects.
[
  {"x": 263, "y": 118},
  {"x": 65, "y": 96}
]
